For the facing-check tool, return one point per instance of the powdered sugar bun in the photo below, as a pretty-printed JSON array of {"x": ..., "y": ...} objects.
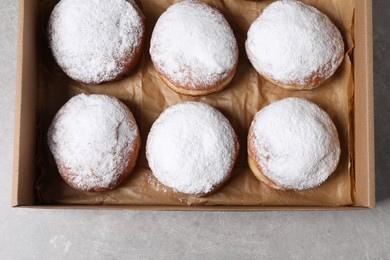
[
  {"x": 192, "y": 148},
  {"x": 293, "y": 145},
  {"x": 95, "y": 142},
  {"x": 294, "y": 45},
  {"x": 194, "y": 49},
  {"x": 96, "y": 41}
]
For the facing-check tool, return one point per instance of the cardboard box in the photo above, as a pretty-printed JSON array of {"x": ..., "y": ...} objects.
[{"x": 26, "y": 136}]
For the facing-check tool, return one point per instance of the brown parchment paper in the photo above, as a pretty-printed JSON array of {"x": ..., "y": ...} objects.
[{"x": 147, "y": 96}]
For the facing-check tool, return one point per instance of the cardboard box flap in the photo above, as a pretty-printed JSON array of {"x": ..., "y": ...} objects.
[
  {"x": 26, "y": 100},
  {"x": 364, "y": 107}
]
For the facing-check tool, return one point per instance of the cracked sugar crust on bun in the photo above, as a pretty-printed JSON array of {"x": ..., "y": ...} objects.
[
  {"x": 96, "y": 41},
  {"x": 193, "y": 49},
  {"x": 95, "y": 142},
  {"x": 293, "y": 145},
  {"x": 294, "y": 45}
]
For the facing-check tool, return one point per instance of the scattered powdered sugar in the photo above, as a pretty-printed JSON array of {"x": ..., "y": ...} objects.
[
  {"x": 296, "y": 143},
  {"x": 191, "y": 148},
  {"x": 91, "y": 138},
  {"x": 193, "y": 45},
  {"x": 291, "y": 42},
  {"x": 94, "y": 40},
  {"x": 156, "y": 184}
]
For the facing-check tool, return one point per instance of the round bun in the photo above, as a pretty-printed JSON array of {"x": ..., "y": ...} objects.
[
  {"x": 293, "y": 145},
  {"x": 96, "y": 41},
  {"x": 192, "y": 148},
  {"x": 194, "y": 49},
  {"x": 95, "y": 142},
  {"x": 295, "y": 46}
]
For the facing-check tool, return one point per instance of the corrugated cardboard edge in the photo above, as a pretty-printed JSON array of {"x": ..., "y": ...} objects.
[
  {"x": 25, "y": 111},
  {"x": 364, "y": 108},
  {"x": 25, "y": 122}
]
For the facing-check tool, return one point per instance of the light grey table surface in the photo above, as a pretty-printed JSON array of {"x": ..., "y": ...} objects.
[{"x": 82, "y": 234}]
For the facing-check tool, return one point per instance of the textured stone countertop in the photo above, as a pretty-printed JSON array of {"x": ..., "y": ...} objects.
[{"x": 103, "y": 234}]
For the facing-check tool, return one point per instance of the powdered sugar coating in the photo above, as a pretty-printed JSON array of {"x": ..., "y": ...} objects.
[
  {"x": 94, "y": 41},
  {"x": 295, "y": 143},
  {"x": 191, "y": 148},
  {"x": 294, "y": 44},
  {"x": 193, "y": 46},
  {"x": 91, "y": 138}
]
